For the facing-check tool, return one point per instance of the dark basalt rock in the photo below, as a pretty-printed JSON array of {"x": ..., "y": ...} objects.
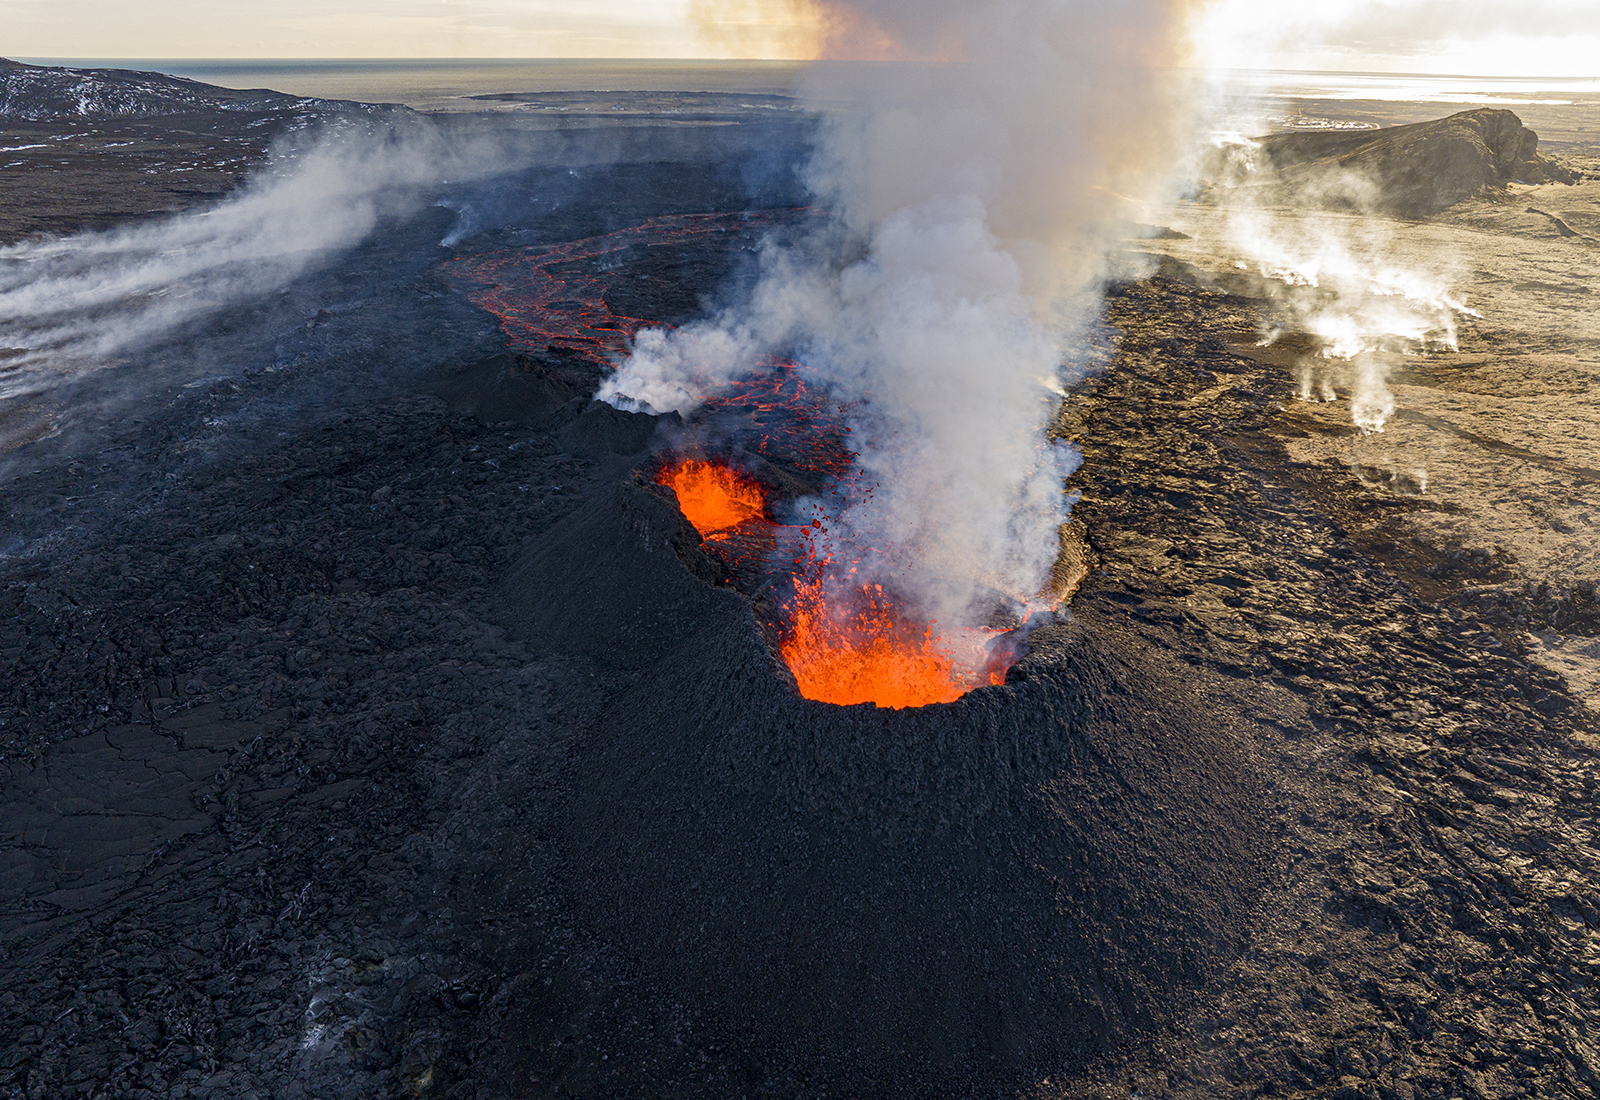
[
  {"x": 935, "y": 896},
  {"x": 602, "y": 431},
  {"x": 605, "y": 582},
  {"x": 93, "y": 148},
  {"x": 286, "y": 814},
  {"x": 1410, "y": 171},
  {"x": 512, "y": 388}
]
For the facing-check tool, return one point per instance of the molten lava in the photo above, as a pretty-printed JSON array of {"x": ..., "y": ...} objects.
[
  {"x": 868, "y": 652},
  {"x": 855, "y": 645},
  {"x": 552, "y": 297},
  {"x": 713, "y": 497}
]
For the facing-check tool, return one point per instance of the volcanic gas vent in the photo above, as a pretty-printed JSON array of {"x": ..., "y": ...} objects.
[{"x": 845, "y": 641}]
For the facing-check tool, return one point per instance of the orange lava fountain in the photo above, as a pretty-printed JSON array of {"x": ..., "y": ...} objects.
[
  {"x": 713, "y": 497},
  {"x": 870, "y": 653},
  {"x": 845, "y": 645}
]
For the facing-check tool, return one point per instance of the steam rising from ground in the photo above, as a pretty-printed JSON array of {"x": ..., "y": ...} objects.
[
  {"x": 1347, "y": 289},
  {"x": 72, "y": 304},
  {"x": 1343, "y": 284},
  {"x": 971, "y": 195}
]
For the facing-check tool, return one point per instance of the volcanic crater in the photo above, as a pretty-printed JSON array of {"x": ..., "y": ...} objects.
[{"x": 1021, "y": 877}]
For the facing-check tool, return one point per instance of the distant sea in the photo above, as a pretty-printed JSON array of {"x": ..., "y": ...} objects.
[
  {"x": 433, "y": 85},
  {"x": 1485, "y": 91},
  {"x": 430, "y": 85},
  {"x": 1565, "y": 111}
]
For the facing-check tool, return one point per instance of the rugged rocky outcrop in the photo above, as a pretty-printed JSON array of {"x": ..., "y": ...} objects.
[
  {"x": 1410, "y": 171},
  {"x": 39, "y": 93}
]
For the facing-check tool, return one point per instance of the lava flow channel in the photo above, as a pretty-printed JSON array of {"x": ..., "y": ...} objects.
[
  {"x": 844, "y": 643},
  {"x": 552, "y": 297}
]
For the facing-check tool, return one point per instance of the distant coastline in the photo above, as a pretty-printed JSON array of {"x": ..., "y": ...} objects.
[
  {"x": 1565, "y": 111},
  {"x": 433, "y": 84},
  {"x": 449, "y": 85}
]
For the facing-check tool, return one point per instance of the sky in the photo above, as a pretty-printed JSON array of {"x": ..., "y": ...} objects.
[
  {"x": 1531, "y": 38},
  {"x": 1482, "y": 37}
]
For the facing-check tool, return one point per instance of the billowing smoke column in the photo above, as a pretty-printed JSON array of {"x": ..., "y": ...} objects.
[
  {"x": 71, "y": 304},
  {"x": 971, "y": 179}
]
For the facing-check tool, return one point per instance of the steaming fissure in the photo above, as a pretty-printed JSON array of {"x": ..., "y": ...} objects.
[{"x": 939, "y": 309}]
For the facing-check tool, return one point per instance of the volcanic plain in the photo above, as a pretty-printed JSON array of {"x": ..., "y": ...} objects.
[{"x": 374, "y": 725}]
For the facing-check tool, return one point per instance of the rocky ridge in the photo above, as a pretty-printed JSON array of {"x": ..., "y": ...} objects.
[
  {"x": 43, "y": 93},
  {"x": 1411, "y": 171},
  {"x": 90, "y": 148}
]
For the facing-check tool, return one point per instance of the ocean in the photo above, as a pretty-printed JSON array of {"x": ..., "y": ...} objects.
[
  {"x": 434, "y": 85},
  {"x": 1564, "y": 111}
]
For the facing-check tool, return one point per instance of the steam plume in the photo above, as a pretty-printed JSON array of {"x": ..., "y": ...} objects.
[
  {"x": 971, "y": 185},
  {"x": 1347, "y": 283},
  {"x": 72, "y": 304}
]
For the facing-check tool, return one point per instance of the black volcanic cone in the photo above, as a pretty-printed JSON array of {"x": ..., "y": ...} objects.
[{"x": 914, "y": 901}]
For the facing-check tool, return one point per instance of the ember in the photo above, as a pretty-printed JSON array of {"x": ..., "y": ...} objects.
[{"x": 713, "y": 497}]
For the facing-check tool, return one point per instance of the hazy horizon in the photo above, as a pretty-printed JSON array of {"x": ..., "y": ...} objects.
[
  {"x": 1437, "y": 37},
  {"x": 86, "y": 61}
]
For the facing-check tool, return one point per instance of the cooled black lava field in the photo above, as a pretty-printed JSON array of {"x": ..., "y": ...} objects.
[{"x": 369, "y": 731}]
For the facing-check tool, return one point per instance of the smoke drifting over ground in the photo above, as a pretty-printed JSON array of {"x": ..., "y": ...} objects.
[
  {"x": 1317, "y": 212},
  {"x": 1344, "y": 287},
  {"x": 942, "y": 311},
  {"x": 72, "y": 304}
]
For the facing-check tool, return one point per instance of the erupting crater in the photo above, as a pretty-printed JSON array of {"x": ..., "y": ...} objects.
[
  {"x": 713, "y": 497},
  {"x": 844, "y": 642},
  {"x": 858, "y": 646},
  {"x": 816, "y": 877}
]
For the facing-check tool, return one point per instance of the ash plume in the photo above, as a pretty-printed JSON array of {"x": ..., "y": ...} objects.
[
  {"x": 971, "y": 183},
  {"x": 74, "y": 304}
]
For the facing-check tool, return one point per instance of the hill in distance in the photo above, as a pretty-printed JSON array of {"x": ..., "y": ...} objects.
[{"x": 1408, "y": 171}]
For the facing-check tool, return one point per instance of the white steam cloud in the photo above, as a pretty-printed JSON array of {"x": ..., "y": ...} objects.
[
  {"x": 72, "y": 304},
  {"x": 1348, "y": 284},
  {"x": 973, "y": 194}
]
